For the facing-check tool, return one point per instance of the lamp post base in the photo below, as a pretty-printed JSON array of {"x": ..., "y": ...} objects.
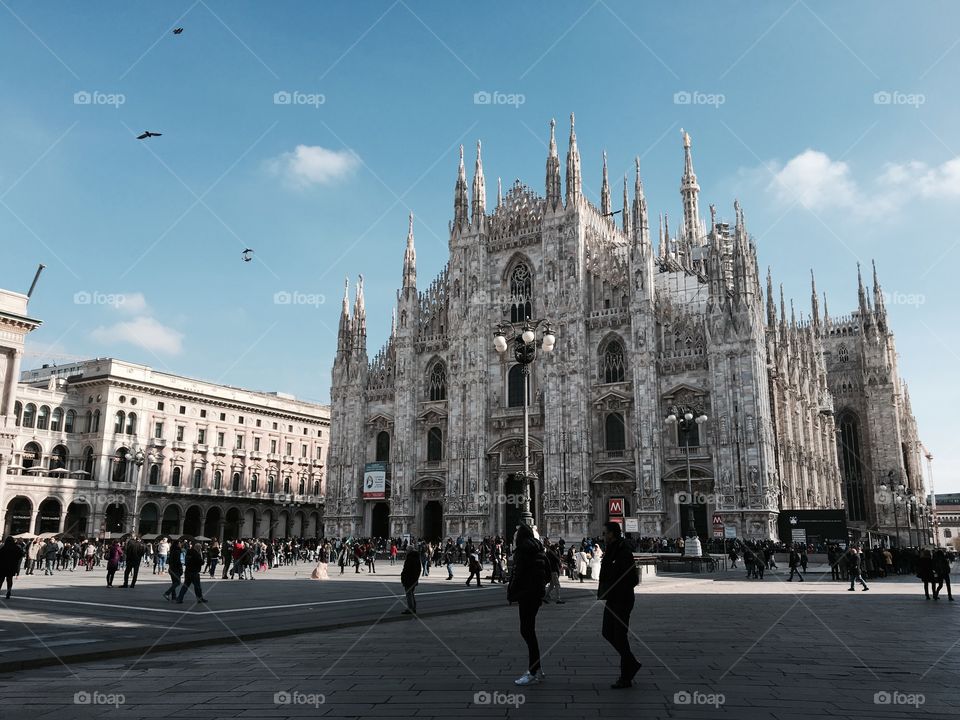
[{"x": 692, "y": 547}]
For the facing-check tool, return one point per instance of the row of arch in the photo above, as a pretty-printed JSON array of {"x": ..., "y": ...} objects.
[
  {"x": 170, "y": 519},
  {"x": 32, "y": 457},
  {"x": 58, "y": 420},
  {"x": 236, "y": 484}
]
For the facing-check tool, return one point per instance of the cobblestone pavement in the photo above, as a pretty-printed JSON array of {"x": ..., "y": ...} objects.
[{"x": 712, "y": 647}]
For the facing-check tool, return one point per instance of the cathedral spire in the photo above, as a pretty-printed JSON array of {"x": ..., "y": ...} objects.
[
  {"x": 878, "y": 304},
  {"x": 771, "y": 308},
  {"x": 689, "y": 192},
  {"x": 499, "y": 193},
  {"x": 460, "y": 205},
  {"x": 360, "y": 320},
  {"x": 393, "y": 322},
  {"x": 574, "y": 184},
  {"x": 553, "y": 170},
  {"x": 641, "y": 224},
  {"x": 814, "y": 304},
  {"x": 344, "y": 332},
  {"x": 826, "y": 313},
  {"x": 863, "y": 303},
  {"x": 479, "y": 191},
  {"x": 605, "y": 204},
  {"x": 626, "y": 208},
  {"x": 410, "y": 259},
  {"x": 783, "y": 317}
]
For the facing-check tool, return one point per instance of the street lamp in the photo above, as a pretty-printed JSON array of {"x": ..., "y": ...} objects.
[
  {"x": 691, "y": 546},
  {"x": 895, "y": 490},
  {"x": 523, "y": 335},
  {"x": 137, "y": 458}
]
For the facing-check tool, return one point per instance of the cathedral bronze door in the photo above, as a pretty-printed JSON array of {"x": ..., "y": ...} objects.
[
  {"x": 433, "y": 521},
  {"x": 380, "y": 520}
]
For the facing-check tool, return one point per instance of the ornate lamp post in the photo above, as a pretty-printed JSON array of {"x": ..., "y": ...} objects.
[
  {"x": 684, "y": 424},
  {"x": 523, "y": 335},
  {"x": 137, "y": 457},
  {"x": 895, "y": 491}
]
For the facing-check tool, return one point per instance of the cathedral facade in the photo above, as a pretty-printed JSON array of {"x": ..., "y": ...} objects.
[{"x": 675, "y": 380}]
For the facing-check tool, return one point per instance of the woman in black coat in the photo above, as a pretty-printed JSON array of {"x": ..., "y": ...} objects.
[
  {"x": 409, "y": 578},
  {"x": 530, "y": 573},
  {"x": 10, "y": 557},
  {"x": 941, "y": 570},
  {"x": 925, "y": 572}
]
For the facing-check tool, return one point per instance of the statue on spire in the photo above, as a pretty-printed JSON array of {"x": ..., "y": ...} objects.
[
  {"x": 574, "y": 183},
  {"x": 479, "y": 191}
]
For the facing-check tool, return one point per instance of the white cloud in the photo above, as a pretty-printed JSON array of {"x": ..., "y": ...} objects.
[
  {"x": 314, "y": 165},
  {"x": 816, "y": 181},
  {"x": 143, "y": 332},
  {"x": 819, "y": 183},
  {"x": 133, "y": 303}
]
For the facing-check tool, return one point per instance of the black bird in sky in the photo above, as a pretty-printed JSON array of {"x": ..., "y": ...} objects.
[
  {"x": 247, "y": 255},
  {"x": 147, "y": 134},
  {"x": 177, "y": 31}
]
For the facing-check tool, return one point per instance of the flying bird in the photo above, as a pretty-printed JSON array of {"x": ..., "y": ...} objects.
[
  {"x": 611, "y": 214},
  {"x": 147, "y": 134},
  {"x": 247, "y": 255},
  {"x": 177, "y": 31}
]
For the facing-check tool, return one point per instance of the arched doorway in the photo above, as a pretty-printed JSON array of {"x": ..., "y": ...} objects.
[
  {"x": 232, "y": 527},
  {"x": 433, "y": 520},
  {"x": 380, "y": 520},
  {"x": 170, "y": 524},
  {"x": 193, "y": 521},
  {"x": 149, "y": 519},
  {"x": 19, "y": 515},
  {"x": 211, "y": 527},
  {"x": 114, "y": 518},
  {"x": 48, "y": 516},
  {"x": 78, "y": 515},
  {"x": 32, "y": 457}
]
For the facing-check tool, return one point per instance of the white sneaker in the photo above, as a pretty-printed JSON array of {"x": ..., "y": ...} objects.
[{"x": 528, "y": 679}]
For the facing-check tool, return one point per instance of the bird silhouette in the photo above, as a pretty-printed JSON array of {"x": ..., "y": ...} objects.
[
  {"x": 611, "y": 214},
  {"x": 147, "y": 134},
  {"x": 247, "y": 255},
  {"x": 177, "y": 31}
]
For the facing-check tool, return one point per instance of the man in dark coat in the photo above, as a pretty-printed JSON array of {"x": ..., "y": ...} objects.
[
  {"x": 10, "y": 557},
  {"x": 133, "y": 552},
  {"x": 853, "y": 567},
  {"x": 192, "y": 568},
  {"x": 618, "y": 578},
  {"x": 795, "y": 561},
  {"x": 409, "y": 578},
  {"x": 529, "y": 575}
]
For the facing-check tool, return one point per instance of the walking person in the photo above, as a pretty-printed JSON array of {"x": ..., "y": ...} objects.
[
  {"x": 193, "y": 566},
  {"x": 854, "y": 568},
  {"x": 134, "y": 554},
  {"x": 213, "y": 557},
  {"x": 530, "y": 575},
  {"x": 795, "y": 562},
  {"x": 473, "y": 564},
  {"x": 553, "y": 592},
  {"x": 10, "y": 557},
  {"x": 113, "y": 561},
  {"x": 410, "y": 578},
  {"x": 163, "y": 550},
  {"x": 618, "y": 578},
  {"x": 448, "y": 559},
  {"x": 393, "y": 553},
  {"x": 733, "y": 558},
  {"x": 925, "y": 573},
  {"x": 175, "y": 569},
  {"x": 941, "y": 571}
]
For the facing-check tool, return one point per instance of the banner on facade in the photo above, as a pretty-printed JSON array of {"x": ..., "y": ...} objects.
[
  {"x": 615, "y": 506},
  {"x": 375, "y": 481}
]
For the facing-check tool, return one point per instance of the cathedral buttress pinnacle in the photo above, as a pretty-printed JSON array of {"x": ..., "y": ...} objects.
[
  {"x": 460, "y": 205},
  {"x": 479, "y": 191},
  {"x": 410, "y": 260},
  {"x": 605, "y": 203},
  {"x": 574, "y": 183},
  {"x": 553, "y": 170},
  {"x": 689, "y": 192}
]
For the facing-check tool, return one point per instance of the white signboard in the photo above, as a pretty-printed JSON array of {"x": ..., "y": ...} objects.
[
  {"x": 799, "y": 535},
  {"x": 632, "y": 525},
  {"x": 729, "y": 532}
]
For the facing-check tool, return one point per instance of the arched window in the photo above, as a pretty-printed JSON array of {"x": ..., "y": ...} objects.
[
  {"x": 316, "y": 488},
  {"x": 29, "y": 415},
  {"x": 88, "y": 422},
  {"x": 58, "y": 458},
  {"x": 302, "y": 487},
  {"x": 120, "y": 465},
  {"x": 611, "y": 362},
  {"x": 132, "y": 424},
  {"x": 218, "y": 480},
  {"x": 96, "y": 421},
  {"x": 154, "y": 474},
  {"x": 286, "y": 484},
  {"x": 383, "y": 446},
  {"x": 843, "y": 354},
  {"x": 119, "y": 421},
  {"x": 438, "y": 382},
  {"x": 688, "y": 433},
  {"x": 177, "y": 472},
  {"x": 615, "y": 434},
  {"x": 271, "y": 484},
  {"x": 70, "y": 425},
  {"x": 198, "y": 478},
  {"x": 515, "y": 386},
  {"x": 235, "y": 482},
  {"x": 254, "y": 483},
  {"x": 947, "y": 533},
  {"x": 521, "y": 293},
  {"x": 56, "y": 420},
  {"x": 850, "y": 465},
  {"x": 17, "y": 412},
  {"x": 88, "y": 462},
  {"x": 434, "y": 444},
  {"x": 32, "y": 456},
  {"x": 43, "y": 417}
]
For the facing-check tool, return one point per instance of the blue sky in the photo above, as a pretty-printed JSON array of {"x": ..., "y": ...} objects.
[{"x": 835, "y": 124}]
